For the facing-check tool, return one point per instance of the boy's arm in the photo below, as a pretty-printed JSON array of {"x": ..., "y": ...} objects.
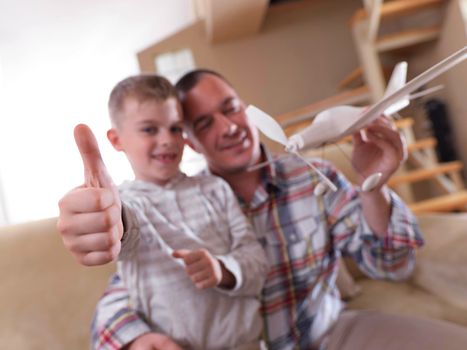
[
  {"x": 241, "y": 271},
  {"x": 246, "y": 261}
]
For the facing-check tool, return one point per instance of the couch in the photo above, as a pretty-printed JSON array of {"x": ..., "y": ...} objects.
[{"x": 47, "y": 299}]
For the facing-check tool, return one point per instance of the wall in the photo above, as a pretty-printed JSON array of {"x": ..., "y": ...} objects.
[
  {"x": 453, "y": 37},
  {"x": 298, "y": 57}
]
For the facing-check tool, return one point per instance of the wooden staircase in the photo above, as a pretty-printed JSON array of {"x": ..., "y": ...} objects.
[
  {"x": 366, "y": 24},
  {"x": 422, "y": 168}
]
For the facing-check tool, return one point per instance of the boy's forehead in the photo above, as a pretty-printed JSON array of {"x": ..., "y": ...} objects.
[{"x": 162, "y": 108}]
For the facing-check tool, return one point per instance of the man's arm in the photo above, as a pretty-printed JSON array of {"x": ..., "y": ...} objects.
[
  {"x": 375, "y": 228},
  {"x": 380, "y": 148}
]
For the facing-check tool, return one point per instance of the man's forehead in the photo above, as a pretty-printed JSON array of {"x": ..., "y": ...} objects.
[{"x": 210, "y": 93}]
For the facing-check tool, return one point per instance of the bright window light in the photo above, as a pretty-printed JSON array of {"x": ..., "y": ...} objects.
[{"x": 174, "y": 64}]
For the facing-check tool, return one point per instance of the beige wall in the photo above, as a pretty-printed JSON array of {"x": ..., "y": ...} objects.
[
  {"x": 453, "y": 37},
  {"x": 298, "y": 57}
]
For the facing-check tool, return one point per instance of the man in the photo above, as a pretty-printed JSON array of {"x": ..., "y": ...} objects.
[{"x": 303, "y": 234}]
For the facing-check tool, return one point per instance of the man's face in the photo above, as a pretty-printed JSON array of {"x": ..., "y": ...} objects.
[{"x": 219, "y": 127}]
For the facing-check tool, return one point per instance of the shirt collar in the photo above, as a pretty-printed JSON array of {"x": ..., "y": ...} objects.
[{"x": 270, "y": 173}]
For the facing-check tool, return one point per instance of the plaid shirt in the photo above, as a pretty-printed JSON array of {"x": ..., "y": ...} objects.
[{"x": 303, "y": 236}]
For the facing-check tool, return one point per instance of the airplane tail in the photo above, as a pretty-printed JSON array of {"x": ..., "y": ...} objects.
[{"x": 397, "y": 81}]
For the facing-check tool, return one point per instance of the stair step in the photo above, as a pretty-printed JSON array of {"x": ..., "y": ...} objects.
[
  {"x": 425, "y": 174},
  {"x": 397, "y": 8},
  {"x": 407, "y": 38},
  {"x": 446, "y": 203},
  {"x": 425, "y": 143}
]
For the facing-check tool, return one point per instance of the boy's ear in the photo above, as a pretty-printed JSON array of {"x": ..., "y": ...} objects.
[{"x": 114, "y": 139}]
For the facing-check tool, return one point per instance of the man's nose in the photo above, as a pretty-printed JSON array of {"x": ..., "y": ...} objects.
[{"x": 228, "y": 126}]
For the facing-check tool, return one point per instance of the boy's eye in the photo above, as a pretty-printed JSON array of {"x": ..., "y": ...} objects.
[
  {"x": 176, "y": 129},
  {"x": 150, "y": 130}
]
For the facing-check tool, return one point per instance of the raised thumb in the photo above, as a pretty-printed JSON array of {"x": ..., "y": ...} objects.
[{"x": 95, "y": 172}]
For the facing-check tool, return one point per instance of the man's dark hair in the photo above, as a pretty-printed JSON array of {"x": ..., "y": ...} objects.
[{"x": 192, "y": 78}]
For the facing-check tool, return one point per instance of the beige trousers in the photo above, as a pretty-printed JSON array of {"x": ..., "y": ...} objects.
[{"x": 371, "y": 330}]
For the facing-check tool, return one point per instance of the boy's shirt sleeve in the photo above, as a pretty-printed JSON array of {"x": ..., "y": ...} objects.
[
  {"x": 115, "y": 322},
  {"x": 131, "y": 235},
  {"x": 392, "y": 256},
  {"x": 246, "y": 260}
]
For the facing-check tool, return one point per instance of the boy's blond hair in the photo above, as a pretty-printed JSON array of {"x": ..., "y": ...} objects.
[{"x": 142, "y": 88}]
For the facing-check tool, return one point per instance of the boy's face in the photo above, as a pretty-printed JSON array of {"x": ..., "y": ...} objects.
[
  {"x": 150, "y": 134},
  {"x": 219, "y": 127}
]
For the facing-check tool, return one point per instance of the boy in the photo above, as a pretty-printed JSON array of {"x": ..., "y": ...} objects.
[{"x": 189, "y": 258}]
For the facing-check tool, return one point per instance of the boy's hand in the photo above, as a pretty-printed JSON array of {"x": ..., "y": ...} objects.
[
  {"x": 205, "y": 270},
  {"x": 90, "y": 220},
  {"x": 153, "y": 341}
]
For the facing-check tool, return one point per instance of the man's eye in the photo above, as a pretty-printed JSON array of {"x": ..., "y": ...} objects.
[
  {"x": 203, "y": 124},
  {"x": 232, "y": 108}
]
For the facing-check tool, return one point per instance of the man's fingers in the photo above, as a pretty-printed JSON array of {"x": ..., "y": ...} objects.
[
  {"x": 95, "y": 172},
  {"x": 389, "y": 135}
]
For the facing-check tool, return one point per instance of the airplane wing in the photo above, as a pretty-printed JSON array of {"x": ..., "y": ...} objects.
[
  {"x": 377, "y": 109},
  {"x": 266, "y": 124}
]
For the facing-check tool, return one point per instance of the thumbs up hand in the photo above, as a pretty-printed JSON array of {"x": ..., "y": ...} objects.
[
  {"x": 90, "y": 219},
  {"x": 203, "y": 269}
]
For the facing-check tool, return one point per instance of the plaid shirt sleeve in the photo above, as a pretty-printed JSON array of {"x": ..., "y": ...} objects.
[
  {"x": 115, "y": 323},
  {"x": 390, "y": 257}
]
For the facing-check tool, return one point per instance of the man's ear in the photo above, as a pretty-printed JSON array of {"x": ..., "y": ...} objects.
[{"x": 112, "y": 136}]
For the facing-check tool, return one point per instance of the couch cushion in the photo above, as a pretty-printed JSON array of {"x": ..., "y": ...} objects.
[
  {"x": 442, "y": 265},
  {"x": 46, "y": 298}
]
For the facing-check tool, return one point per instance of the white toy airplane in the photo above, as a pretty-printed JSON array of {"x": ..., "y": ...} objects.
[{"x": 334, "y": 123}]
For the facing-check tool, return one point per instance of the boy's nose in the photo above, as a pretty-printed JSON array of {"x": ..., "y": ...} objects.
[{"x": 166, "y": 138}]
